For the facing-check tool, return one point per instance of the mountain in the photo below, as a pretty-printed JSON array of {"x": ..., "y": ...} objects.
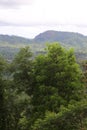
[
  {"x": 65, "y": 38},
  {"x": 9, "y": 45},
  {"x": 13, "y": 39},
  {"x": 57, "y": 36}
]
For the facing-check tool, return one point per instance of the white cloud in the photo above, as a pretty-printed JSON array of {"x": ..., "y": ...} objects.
[
  {"x": 43, "y": 14},
  {"x": 14, "y": 3},
  {"x": 45, "y": 11}
]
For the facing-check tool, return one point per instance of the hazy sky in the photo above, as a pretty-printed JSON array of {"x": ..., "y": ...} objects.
[{"x": 30, "y": 17}]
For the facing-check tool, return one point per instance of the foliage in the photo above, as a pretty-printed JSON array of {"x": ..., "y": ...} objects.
[
  {"x": 21, "y": 68},
  {"x": 70, "y": 118},
  {"x": 57, "y": 81},
  {"x": 42, "y": 92}
]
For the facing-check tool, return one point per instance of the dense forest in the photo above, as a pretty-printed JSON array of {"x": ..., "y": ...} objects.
[{"x": 44, "y": 92}]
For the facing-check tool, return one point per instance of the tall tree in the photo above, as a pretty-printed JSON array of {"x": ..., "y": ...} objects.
[
  {"x": 22, "y": 69},
  {"x": 57, "y": 81},
  {"x": 22, "y": 78}
]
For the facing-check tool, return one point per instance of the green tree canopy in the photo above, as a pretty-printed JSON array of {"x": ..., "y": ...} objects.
[
  {"x": 57, "y": 81},
  {"x": 45, "y": 92}
]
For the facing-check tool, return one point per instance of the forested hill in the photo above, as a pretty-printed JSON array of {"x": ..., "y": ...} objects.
[
  {"x": 67, "y": 37},
  {"x": 13, "y": 39},
  {"x": 9, "y": 45},
  {"x": 70, "y": 38}
]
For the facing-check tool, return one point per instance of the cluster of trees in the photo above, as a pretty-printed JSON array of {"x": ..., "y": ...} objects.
[{"x": 45, "y": 92}]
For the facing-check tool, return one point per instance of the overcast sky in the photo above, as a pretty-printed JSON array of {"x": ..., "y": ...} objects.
[{"x": 30, "y": 17}]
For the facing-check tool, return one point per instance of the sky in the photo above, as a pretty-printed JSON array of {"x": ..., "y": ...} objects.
[{"x": 28, "y": 18}]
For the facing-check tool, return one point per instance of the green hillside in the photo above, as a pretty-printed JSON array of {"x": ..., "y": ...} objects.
[
  {"x": 10, "y": 45},
  {"x": 71, "y": 39},
  {"x": 13, "y": 39}
]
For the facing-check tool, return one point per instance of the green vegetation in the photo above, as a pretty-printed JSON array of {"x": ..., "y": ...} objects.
[
  {"x": 10, "y": 45},
  {"x": 42, "y": 93}
]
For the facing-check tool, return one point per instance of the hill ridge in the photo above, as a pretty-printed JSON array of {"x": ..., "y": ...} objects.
[{"x": 10, "y": 44}]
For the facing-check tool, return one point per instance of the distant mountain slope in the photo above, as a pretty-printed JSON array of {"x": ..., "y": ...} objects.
[
  {"x": 13, "y": 39},
  {"x": 55, "y": 36},
  {"x": 9, "y": 45},
  {"x": 67, "y": 38}
]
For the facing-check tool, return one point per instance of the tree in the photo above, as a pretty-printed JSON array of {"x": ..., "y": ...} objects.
[
  {"x": 42, "y": 93},
  {"x": 21, "y": 68},
  {"x": 73, "y": 117},
  {"x": 2, "y": 94},
  {"x": 57, "y": 82}
]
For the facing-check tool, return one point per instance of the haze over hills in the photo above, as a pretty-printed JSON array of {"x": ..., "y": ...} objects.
[{"x": 9, "y": 45}]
